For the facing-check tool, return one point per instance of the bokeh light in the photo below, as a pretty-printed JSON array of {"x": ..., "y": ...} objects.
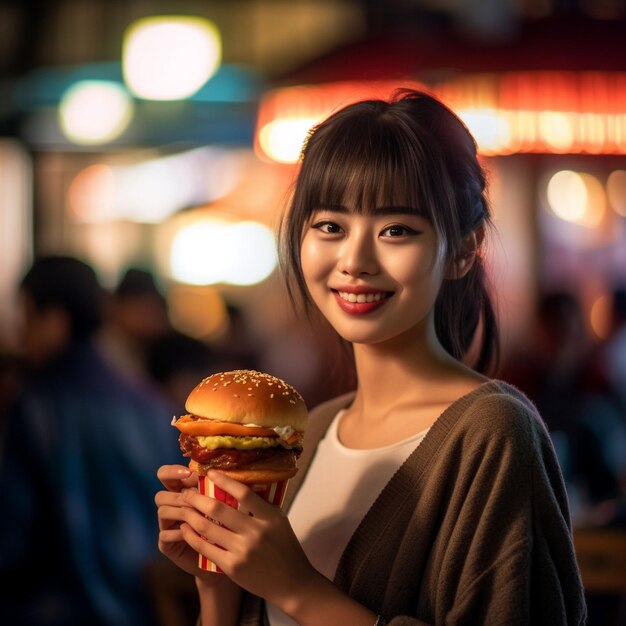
[
  {"x": 95, "y": 112},
  {"x": 92, "y": 194},
  {"x": 170, "y": 57},
  {"x": 282, "y": 139},
  {"x": 557, "y": 129},
  {"x": 616, "y": 191},
  {"x": 197, "y": 311},
  {"x": 151, "y": 190},
  {"x": 212, "y": 251},
  {"x": 600, "y": 316},
  {"x": 490, "y": 129},
  {"x": 577, "y": 197}
]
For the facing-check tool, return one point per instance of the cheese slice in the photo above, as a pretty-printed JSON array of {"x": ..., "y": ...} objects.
[{"x": 240, "y": 443}]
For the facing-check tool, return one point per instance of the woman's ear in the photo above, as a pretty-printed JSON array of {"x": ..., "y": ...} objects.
[{"x": 463, "y": 263}]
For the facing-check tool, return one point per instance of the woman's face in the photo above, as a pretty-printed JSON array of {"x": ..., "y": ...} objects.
[{"x": 375, "y": 276}]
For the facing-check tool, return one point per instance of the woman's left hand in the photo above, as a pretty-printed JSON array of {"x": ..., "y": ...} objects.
[{"x": 255, "y": 546}]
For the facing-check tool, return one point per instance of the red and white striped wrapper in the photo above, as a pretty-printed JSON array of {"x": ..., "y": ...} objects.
[{"x": 274, "y": 493}]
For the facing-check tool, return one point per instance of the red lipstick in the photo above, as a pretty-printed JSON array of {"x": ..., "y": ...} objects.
[{"x": 359, "y": 308}]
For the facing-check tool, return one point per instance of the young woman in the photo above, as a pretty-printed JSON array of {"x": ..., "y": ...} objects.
[{"x": 431, "y": 494}]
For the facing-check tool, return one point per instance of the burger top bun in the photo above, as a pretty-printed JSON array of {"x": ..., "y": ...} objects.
[{"x": 248, "y": 397}]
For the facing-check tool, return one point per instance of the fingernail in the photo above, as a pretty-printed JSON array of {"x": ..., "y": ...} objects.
[{"x": 184, "y": 471}]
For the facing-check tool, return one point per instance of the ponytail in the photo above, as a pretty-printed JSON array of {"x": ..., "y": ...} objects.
[{"x": 462, "y": 306}]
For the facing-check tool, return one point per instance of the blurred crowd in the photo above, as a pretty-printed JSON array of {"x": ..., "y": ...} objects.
[
  {"x": 85, "y": 411},
  {"x": 579, "y": 387}
]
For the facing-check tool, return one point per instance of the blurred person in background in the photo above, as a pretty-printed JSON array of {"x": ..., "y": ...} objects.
[
  {"x": 178, "y": 362},
  {"x": 616, "y": 375},
  {"x": 237, "y": 346},
  {"x": 77, "y": 476},
  {"x": 615, "y": 350},
  {"x": 604, "y": 409},
  {"x": 135, "y": 316},
  {"x": 558, "y": 374}
]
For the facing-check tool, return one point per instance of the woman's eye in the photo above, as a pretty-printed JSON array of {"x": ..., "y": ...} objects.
[
  {"x": 397, "y": 231},
  {"x": 327, "y": 227}
]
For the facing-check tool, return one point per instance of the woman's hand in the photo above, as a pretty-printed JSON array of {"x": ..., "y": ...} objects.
[
  {"x": 255, "y": 546},
  {"x": 172, "y": 507},
  {"x": 220, "y": 598}
]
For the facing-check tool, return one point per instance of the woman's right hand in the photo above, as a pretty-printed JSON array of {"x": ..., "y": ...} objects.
[{"x": 177, "y": 479}]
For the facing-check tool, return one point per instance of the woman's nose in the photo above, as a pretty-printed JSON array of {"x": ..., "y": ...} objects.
[{"x": 358, "y": 256}]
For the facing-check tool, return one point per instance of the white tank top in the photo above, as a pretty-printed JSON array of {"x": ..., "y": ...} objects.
[{"x": 340, "y": 487}]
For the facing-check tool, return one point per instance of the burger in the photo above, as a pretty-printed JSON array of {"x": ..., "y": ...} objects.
[{"x": 246, "y": 424}]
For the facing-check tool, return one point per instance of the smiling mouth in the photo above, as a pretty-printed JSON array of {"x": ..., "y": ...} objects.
[{"x": 348, "y": 296}]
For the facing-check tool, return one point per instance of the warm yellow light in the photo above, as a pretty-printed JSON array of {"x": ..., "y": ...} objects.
[
  {"x": 282, "y": 139},
  {"x": 616, "y": 191},
  {"x": 92, "y": 194},
  {"x": 94, "y": 111},
  {"x": 600, "y": 316},
  {"x": 593, "y": 131},
  {"x": 567, "y": 195},
  {"x": 595, "y": 208},
  {"x": 526, "y": 127},
  {"x": 212, "y": 251},
  {"x": 197, "y": 311},
  {"x": 490, "y": 128},
  {"x": 577, "y": 198},
  {"x": 170, "y": 57},
  {"x": 528, "y": 112},
  {"x": 556, "y": 129}
]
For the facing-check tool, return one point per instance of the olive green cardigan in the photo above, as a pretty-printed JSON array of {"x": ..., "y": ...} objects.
[{"x": 473, "y": 528}]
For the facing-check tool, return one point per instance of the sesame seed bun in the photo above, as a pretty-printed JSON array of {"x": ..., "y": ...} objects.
[{"x": 248, "y": 397}]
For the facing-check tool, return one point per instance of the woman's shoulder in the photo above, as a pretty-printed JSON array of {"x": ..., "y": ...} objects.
[
  {"x": 505, "y": 394},
  {"x": 499, "y": 408}
]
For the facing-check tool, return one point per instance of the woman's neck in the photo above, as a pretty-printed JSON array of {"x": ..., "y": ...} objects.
[{"x": 412, "y": 369}]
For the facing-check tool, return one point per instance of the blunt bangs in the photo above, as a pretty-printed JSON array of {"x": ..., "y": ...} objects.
[{"x": 361, "y": 166}]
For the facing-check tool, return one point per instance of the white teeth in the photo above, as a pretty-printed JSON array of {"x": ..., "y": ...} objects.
[{"x": 361, "y": 297}]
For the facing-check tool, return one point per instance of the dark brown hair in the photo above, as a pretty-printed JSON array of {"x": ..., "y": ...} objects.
[
  {"x": 69, "y": 284},
  {"x": 414, "y": 151}
]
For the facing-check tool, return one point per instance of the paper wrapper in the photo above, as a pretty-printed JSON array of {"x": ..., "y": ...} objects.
[{"x": 274, "y": 493}]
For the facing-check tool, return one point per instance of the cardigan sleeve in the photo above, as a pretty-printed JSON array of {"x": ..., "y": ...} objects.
[{"x": 510, "y": 546}]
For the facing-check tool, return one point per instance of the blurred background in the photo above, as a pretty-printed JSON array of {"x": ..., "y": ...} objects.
[{"x": 156, "y": 142}]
